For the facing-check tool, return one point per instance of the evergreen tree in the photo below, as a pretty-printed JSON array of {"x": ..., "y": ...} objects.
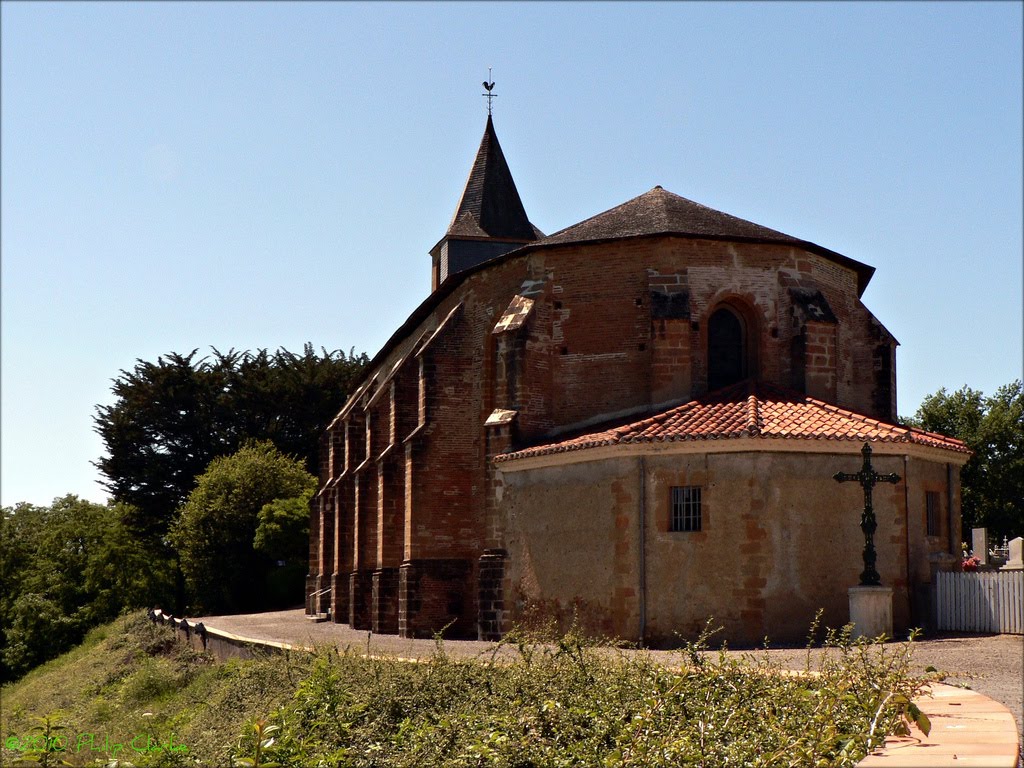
[{"x": 171, "y": 418}]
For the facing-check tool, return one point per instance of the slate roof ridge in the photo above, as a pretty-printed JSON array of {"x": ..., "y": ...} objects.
[
  {"x": 660, "y": 212},
  {"x": 661, "y": 197}
]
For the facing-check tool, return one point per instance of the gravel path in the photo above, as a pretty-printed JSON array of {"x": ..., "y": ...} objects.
[{"x": 990, "y": 664}]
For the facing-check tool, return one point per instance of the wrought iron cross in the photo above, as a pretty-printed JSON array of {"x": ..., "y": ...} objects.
[{"x": 867, "y": 477}]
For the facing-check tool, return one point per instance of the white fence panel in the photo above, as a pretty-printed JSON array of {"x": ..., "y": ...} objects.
[{"x": 980, "y": 602}]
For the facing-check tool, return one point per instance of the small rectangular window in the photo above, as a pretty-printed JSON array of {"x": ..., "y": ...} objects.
[
  {"x": 931, "y": 510},
  {"x": 685, "y": 513}
]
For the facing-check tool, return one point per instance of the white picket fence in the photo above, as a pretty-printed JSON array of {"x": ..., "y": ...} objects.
[{"x": 980, "y": 602}]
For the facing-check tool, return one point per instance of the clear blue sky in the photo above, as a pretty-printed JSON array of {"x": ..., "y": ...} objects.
[{"x": 180, "y": 175}]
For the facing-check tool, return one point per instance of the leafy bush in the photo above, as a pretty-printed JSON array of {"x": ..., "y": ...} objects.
[
  {"x": 215, "y": 529},
  {"x": 562, "y": 702},
  {"x": 66, "y": 568},
  {"x": 575, "y": 704}
]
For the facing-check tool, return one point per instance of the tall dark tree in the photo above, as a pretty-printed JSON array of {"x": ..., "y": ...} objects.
[
  {"x": 171, "y": 418},
  {"x": 993, "y": 427}
]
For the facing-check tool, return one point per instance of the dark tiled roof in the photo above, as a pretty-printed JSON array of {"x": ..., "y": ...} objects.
[
  {"x": 659, "y": 212},
  {"x": 748, "y": 410},
  {"x": 490, "y": 204}
]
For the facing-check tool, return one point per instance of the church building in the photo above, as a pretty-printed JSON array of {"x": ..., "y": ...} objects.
[{"x": 631, "y": 424}]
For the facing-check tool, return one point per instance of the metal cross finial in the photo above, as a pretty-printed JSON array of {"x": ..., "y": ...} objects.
[
  {"x": 489, "y": 86},
  {"x": 867, "y": 477}
]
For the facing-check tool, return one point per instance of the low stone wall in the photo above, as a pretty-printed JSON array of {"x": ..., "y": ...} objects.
[{"x": 218, "y": 643}]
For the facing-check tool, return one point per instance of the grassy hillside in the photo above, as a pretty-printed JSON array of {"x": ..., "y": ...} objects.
[
  {"x": 131, "y": 682},
  {"x": 131, "y": 693}
]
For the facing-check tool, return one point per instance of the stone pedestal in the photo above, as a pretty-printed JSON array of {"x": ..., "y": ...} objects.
[
  {"x": 339, "y": 598},
  {"x": 360, "y": 588},
  {"x": 433, "y": 597},
  {"x": 1015, "y": 556},
  {"x": 312, "y": 585},
  {"x": 871, "y": 611}
]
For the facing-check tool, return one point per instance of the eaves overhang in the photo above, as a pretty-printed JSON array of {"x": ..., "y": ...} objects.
[{"x": 844, "y": 447}]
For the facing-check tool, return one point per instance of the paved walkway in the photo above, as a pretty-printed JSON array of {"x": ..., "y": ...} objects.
[{"x": 990, "y": 664}]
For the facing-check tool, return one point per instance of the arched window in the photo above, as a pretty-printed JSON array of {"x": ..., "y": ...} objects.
[{"x": 727, "y": 348}]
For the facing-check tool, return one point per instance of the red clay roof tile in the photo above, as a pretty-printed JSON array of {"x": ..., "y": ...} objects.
[{"x": 748, "y": 409}]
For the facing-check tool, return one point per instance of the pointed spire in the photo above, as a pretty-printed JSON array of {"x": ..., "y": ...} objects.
[
  {"x": 490, "y": 219},
  {"x": 490, "y": 204}
]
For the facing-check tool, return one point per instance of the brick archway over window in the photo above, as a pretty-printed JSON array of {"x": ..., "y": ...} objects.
[{"x": 729, "y": 344}]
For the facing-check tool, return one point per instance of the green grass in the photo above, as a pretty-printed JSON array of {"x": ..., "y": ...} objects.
[
  {"x": 131, "y": 679},
  {"x": 565, "y": 702}
]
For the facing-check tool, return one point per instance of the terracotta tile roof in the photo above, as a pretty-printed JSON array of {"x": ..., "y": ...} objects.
[
  {"x": 748, "y": 410},
  {"x": 659, "y": 212}
]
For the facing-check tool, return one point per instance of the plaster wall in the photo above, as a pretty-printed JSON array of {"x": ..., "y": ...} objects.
[
  {"x": 779, "y": 540},
  {"x": 573, "y": 546}
]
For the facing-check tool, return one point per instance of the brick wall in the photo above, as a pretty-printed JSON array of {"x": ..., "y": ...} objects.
[
  {"x": 820, "y": 358},
  {"x": 614, "y": 328}
]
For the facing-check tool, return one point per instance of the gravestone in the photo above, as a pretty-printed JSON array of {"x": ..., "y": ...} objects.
[
  {"x": 979, "y": 544},
  {"x": 1015, "y": 560}
]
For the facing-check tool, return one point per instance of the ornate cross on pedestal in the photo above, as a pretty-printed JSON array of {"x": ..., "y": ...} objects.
[{"x": 867, "y": 477}]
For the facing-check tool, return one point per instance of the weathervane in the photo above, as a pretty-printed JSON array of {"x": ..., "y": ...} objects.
[{"x": 489, "y": 85}]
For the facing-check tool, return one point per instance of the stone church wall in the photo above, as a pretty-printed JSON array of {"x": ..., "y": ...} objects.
[
  {"x": 572, "y": 538},
  {"x": 608, "y": 352},
  {"x": 614, "y": 328},
  {"x": 779, "y": 540}
]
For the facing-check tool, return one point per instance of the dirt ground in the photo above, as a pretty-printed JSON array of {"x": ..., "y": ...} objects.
[{"x": 990, "y": 664}]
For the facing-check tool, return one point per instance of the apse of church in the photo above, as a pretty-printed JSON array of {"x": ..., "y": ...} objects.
[{"x": 593, "y": 424}]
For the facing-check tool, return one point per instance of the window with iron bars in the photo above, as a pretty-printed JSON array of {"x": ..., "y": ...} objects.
[
  {"x": 685, "y": 512},
  {"x": 931, "y": 507}
]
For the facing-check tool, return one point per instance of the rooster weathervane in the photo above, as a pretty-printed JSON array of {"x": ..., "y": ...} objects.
[{"x": 489, "y": 86}]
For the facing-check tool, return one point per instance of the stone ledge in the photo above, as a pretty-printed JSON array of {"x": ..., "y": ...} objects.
[{"x": 968, "y": 729}]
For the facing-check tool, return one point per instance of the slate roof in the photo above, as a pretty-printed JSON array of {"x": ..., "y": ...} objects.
[
  {"x": 659, "y": 212},
  {"x": 490, "y": 204},
  {"x": 490, "y": 175},
  {"x": 748, "y": 410}
]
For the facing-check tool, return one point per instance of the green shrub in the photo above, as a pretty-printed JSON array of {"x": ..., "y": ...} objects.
[
  {"x": 557, "y": 702},
  {"x": 576, "y": 704}
]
